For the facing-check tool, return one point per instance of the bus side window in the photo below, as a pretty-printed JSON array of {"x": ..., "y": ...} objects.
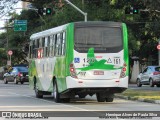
[
  {"x": 31, "y": 49},
  {"x": 54, "y": 45},
  {"x": 57, "y": 45},
  {"x": 63, "y": 43},
  {"x": 51, "y": 45},
  {"x": 48, "y": 47},
  {"x": 34, "y": 49},
  {"x": 45, "y": 47},
  {"x": 42, "y": 46},
  {"x": 60, "y": 43},
  {"x": 37, "y": 43}
]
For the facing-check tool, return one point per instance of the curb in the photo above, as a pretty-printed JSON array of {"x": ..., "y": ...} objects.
[{"x": 138, "y": 99}]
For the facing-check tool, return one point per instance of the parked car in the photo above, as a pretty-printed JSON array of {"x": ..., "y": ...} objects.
[
  {"x": 150, "y": 76},
  {"x": 17, "y": 74}
]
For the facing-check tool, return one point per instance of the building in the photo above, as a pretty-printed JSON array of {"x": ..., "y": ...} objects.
[{"x": 26, "y": 5}]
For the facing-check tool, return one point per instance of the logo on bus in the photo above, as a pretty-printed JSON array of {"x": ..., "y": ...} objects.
[{"x": 76, "y": 60}]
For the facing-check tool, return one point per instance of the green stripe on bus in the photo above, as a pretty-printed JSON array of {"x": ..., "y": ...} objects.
[{"x": 125, "y": 46}]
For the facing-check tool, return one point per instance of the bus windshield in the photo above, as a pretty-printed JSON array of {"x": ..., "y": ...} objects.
[{"x": 102, "y": 39}]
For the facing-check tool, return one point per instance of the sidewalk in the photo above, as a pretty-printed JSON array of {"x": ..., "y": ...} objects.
[
  {"x": 143, "y": 88},
  {"x": 138, "y": 99}
]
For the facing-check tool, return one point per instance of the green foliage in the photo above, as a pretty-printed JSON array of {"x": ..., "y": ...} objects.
[
  {"x": 41, "y": 3},
  {"x": 3, "y": 56}
]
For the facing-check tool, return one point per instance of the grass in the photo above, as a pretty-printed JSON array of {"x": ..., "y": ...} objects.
[{"x": 135, "y": 94}]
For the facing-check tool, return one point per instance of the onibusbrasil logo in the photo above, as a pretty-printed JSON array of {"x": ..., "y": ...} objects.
[{"x": 23, "y": 115}]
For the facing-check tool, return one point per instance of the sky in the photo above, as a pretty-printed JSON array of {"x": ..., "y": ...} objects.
[{"x": 2, "y": 21}]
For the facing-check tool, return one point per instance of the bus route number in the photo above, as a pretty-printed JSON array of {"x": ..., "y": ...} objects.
[{"x": 117, "y": 60}]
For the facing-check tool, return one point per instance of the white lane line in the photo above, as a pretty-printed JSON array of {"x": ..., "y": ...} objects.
[{"x": 48, "y": 101}]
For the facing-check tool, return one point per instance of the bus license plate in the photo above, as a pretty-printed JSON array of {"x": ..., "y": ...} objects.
[{"x": 98, "y": 72}]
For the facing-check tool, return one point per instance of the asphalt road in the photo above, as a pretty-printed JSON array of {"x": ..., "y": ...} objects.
[{"x": 20, "y": 98}]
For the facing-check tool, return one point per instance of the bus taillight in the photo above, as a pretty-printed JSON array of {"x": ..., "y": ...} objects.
[
  {"x": 123, "y": 71},
  {"x": 73, "y": 71}
]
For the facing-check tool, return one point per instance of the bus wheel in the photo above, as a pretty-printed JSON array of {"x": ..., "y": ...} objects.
[
  {"x": 109, "y": 99},
  {"x": 55, "y": 93},
  {"x": 66, "y": 100},
  {"x": 82, "y": 95},
  {"x": 39, "y": 94},
  {"x": 100, "y": 97}
]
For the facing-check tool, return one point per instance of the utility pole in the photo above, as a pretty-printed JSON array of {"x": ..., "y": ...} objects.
[
  {"x": 8, "y": 56},
  {"x": 85, "y": 14},
  {"x": 158, "y": 52},
  {"x": 83, "y": 4}
]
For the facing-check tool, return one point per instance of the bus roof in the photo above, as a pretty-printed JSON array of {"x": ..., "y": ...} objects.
[
  {"x": 48, "y": 32},
  {"x": 99, "y": 23}
]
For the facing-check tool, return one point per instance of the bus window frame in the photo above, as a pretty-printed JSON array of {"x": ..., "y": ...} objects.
[
  {"x": 48, "y": 47},
  {"x": 54, "y": 46},
  {"x": 45, "y": 46}
]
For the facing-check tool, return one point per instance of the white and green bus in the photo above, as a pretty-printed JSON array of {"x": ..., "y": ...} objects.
[{"x": 80, "y": 59}]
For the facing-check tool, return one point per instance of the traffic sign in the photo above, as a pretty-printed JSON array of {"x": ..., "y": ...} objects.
[
  {"x": 8, "y": 62},
  {"x": 158, "y": 47},
  {"x": 10, "y": 52},
  {"x": 20, "y": 25}
]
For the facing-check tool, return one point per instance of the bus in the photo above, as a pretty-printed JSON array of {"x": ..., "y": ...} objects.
[{"x": 80, "y": 59}]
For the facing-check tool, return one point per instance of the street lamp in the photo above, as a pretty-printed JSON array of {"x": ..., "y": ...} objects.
[{"x": 85, "y": 14}]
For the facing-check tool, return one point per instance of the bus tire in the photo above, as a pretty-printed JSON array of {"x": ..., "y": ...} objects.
[
  {"x": 82, "y": 95},
  {"x": 109, "y": 99},
  {"x": 39, "y": 94},
  {"x": 100, "y": 97},
  {"x": 66, "y": 100},
  {"x": 56, "y": 95}
]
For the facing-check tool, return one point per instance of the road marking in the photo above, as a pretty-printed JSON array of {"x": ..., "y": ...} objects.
[
  {"x": 48, "y": 101},
  {"x": 5, "y": 95}
]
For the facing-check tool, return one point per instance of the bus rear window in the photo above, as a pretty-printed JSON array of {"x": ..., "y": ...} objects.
[{"x": 102, "y": 39}]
